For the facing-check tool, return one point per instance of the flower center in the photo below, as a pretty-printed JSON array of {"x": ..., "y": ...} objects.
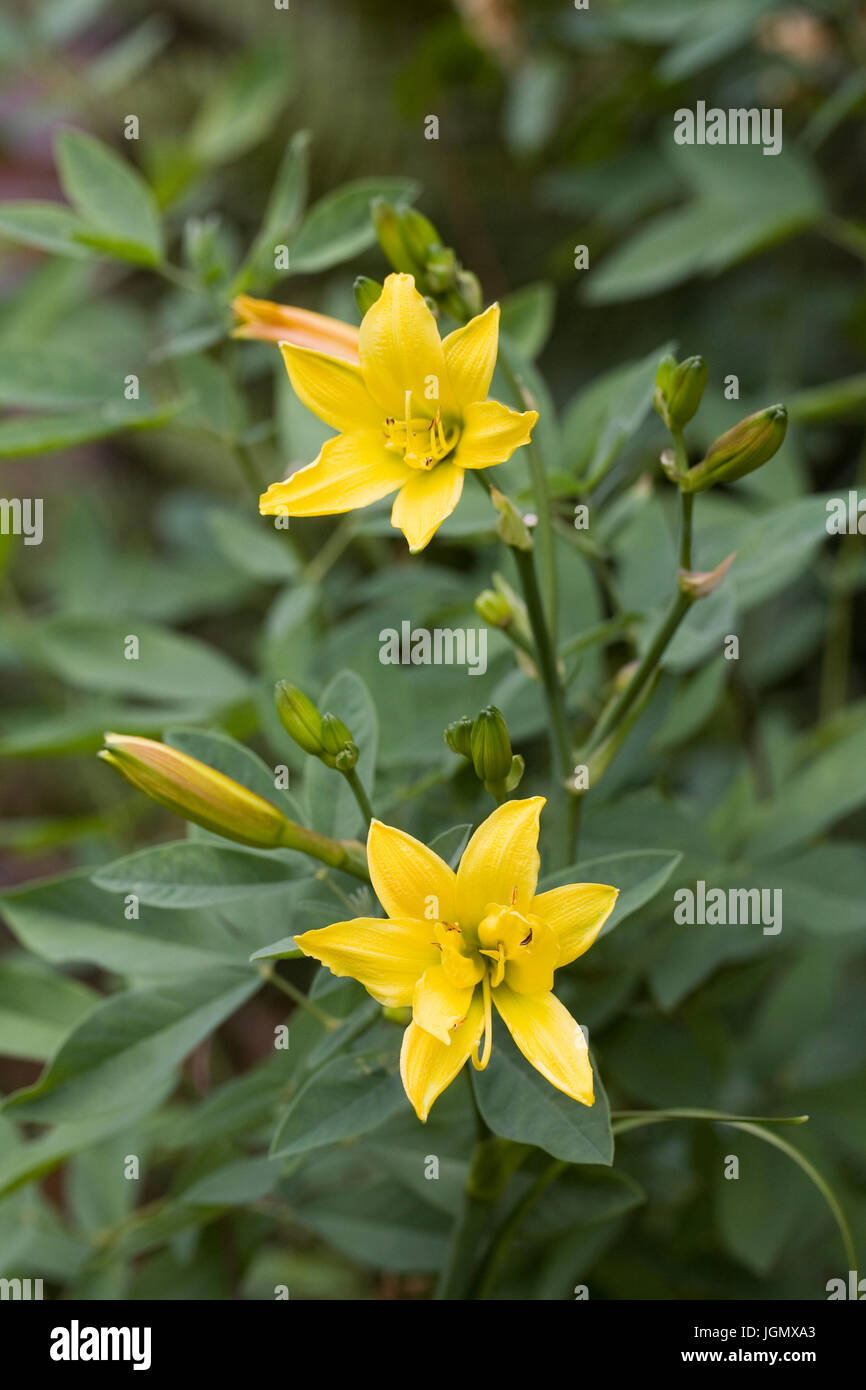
[
  {"x": 507, "y": 947},
  {"x": 423, "y": 442}
]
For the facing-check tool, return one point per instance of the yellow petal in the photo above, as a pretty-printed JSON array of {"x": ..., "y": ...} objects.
[
  {"x": 438, "y": 1006},
  {"x": 387, "y": 957},
  {"x": 470, "y": 355},
  {"x": 401, "y": 351},
  {"x": 332, "y": 388},
  {"x": 424, "y": 501},
  {"x": 491, "y": 432},
  {"x": 351, "y": 471},
  {"x": 409, "y": 879},
  {"x": 427, "y": 1066},
  {"x": 577, "y": 912},
  {"x": 500, "y": 863},
  {"x": 549, "y": 1038},
  {"x": 529, "y": 969}
]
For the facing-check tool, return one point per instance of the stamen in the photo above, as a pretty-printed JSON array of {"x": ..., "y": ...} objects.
[{"x": 479, "y": 1063}]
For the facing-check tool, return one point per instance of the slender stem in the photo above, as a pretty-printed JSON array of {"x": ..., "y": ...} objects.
[
  {"x": 298, "y": 997},
  {"x": 501, "y": 1243},
  {"x": 247, "y": 468},
  {"x": 337, "y": 854},
  {"x": 541, "y": 493},
  {"x": 619, "y": 708},
  {"x": 360, "y": 794}
]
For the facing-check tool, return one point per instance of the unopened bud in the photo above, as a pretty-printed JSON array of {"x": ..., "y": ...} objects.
[
  {"x": 421, "y": 239},
  {"x": 386, "y": 220},
  {"x": 338, "y": 748},
  {"x": 494, "y": 608},
  {"x": 299, "y": 717},
  {"x": 367, "y": 291},
  {"x": 679, "y": 389},
  {"x": 740, "y": 450},
  {"x": 491, "y": 747},
  {"x": 458, "y": 736},
  {"x": 195, "y": 791},
  {"x": 511, "y": 526}
]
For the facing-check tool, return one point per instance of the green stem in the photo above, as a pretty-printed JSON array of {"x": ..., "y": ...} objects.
[
  {"x": 337, "y": 854},
  {"x": 360, "y": 795},
  {"x": 541, "y": 494},
  {"x": 619, "y": 708},
  {"x": 501, "y": 1243},
  {"x": 247, "y": 468},
  {"x": 298, "y": 997},
  {"x": 635, "y": 1120}
]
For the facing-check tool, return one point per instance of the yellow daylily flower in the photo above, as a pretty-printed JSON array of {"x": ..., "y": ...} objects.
[
  {"x": 283, "y": 323},
  {"x": 412, "y": 416},
  {"x": 455, "y": 945}
]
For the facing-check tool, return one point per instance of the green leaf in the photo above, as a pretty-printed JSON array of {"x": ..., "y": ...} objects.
[
  {"x": 36, "y": 378},
  {"x": 69, "y": 920},
  {"x": 284, "y": 949},
  {"x": 518, "y": 1103},
  {"x": 234, "y": 1184},
  {"x": 282, "y": 214},
  {"x": 46, "y": 434},
  {"x": 339, "y": 225},
  {"x": 37, "y": 1007},
  {"x": 89, "y": 653},
  {"x": 111, "y": 197},
  {"x": 744, "y": 203},
  {"x": 527, "y": 317},
  {"x": 606, "y": 413},
  {"x": 349, "y": 1096},
  {"x": 243, "y": 107},
  {"x": 828, "y": 787},
  {"x": 332, "y": 807},
  {"x": 252, "y": 546},
  {"x": 191, "y": 873},
  {"x": 379, "y": 1224},
  {"x": 47, "y": 226},
  {"x": 131, "y": 1041},
  {"x": 638, "y": 874}
]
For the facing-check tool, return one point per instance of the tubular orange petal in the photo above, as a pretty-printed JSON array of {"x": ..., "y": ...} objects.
[
  {"x": 332, "y": 388},
  {"x": 491, "y": 432},
  {"x": 387, "y": 957},
  {"x": 500, "y": 863},
  {"x": 424, "y": 501},
  {"x": 427, "y": 1066},
  {"x": 577, "y": 912},
  {"x": 409, "y": 879},
  {"x": 438, "y": 1006},
  {"x": 401, "y": 351},
  {"x": 351, "y": 471},
  {"x": 549, "y": 1038},
  {"x": 277, "y": 323},
  {"x": 470, "y": 355}
]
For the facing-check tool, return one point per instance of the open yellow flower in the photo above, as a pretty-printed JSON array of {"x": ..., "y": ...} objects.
[
  {"x": 412, "y": 416},
  {"x": 456, "y": 944}
]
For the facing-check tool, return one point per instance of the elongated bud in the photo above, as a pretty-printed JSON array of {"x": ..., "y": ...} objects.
[
  {"x": 491, "y": 747},
  {"x": 367, "y": 291},
  {"x": 421, "y": 239},
  {"x": 339, "y": 751},
  {"x": 195, "y": 791},
  {"x": 386, "y": 220},
  {"x": 458, "y": 736},
  {"x": 679, "y": 389},
  {"x": 494, "y": 608},
  {"x": 299, "y": 717},
  {"x": 511, "y": 527},
  {"x": 740, "y": 450}
]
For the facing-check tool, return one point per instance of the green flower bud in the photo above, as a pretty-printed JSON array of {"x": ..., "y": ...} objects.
[
  {"x": 338, "y": 747},
  {"x": 458, "y": 736},
  {"x": 491, "y": 747},
  {"x": 386, "y": 220},
  {"x": 739, "y": 450},
  {"x": 494, "y": 608},
  {"x": 510, "y": 527},
  {"x": 679, "y": 389},
  {"x": 420, "y": 237},
  {"x": 195, "y": 791},
  {"x": 367, "y": 291},
  {"x": 299, "y": 717}
]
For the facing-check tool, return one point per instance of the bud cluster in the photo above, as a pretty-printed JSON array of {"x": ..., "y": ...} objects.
[
  {"x": 413, "y": 245},
  {"x": 323, "y": 735},
  {"x": 485, "y": 742}
]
